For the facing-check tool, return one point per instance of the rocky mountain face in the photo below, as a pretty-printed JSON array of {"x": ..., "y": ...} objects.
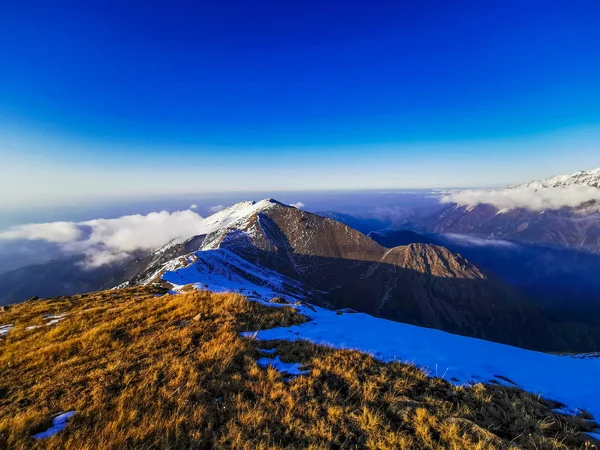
[
  {"x": 573, "y": 227},
  {"x": 421, "y": 284}
]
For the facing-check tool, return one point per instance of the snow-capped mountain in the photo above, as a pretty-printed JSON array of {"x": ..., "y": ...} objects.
[
  {"x": 563, "y": 210},
  {"x": 581, "y": 178}
]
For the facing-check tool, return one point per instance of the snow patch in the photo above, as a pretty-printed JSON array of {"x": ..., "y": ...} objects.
[
  {"x": 4, "y": 329},
  {"x": 54, "y": 319},
  {"x": 280, "y": 366},
  {"x": 58, "y": 424},
  {"x": 223, "y": 271}
]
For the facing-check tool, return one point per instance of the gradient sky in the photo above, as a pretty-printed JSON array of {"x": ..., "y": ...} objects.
[{"x": 103, "y": 99}]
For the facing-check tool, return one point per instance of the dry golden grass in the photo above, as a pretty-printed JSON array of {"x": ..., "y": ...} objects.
[{"x": 173, "y": 372}]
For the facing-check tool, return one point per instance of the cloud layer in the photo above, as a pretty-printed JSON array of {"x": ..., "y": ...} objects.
[
  {"x": 104, "y": 241},
  {"x": 537, "y": 200},
  {"x": 478, "y": 242}
]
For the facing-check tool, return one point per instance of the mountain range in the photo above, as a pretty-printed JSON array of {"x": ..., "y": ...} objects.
[{"x": 270, "y": 250}]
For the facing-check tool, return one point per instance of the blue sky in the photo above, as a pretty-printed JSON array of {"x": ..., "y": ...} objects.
[{"x": 104, "y": 99}]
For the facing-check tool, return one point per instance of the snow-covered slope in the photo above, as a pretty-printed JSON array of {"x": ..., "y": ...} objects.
[
  {"x": 582, "y": 178},
  {"x": 223, "y": 271},
  {"x": 458, "y": 359},
  {"x": 233, "y": 213},
  {"x": 222, "y": 219}
]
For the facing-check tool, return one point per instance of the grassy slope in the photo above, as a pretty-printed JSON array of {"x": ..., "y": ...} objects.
[{"x": 141, "y": 372}]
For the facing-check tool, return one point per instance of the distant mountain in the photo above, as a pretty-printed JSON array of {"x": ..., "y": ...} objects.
[
  {"x": 573, "y": 227},
  {"x": 584, "y": 177}
]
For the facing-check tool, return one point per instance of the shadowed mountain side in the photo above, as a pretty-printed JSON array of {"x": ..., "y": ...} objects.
[
  {"x": 64, "y": 276},
  {"x": 69, "y": 275},
  {"x": 564, "y": 282},
  {"x": 420, "y": 284},
  {"x": 481, "y": 308}
]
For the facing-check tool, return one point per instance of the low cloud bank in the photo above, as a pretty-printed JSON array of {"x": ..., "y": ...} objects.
[
  {"x": 536, "y": 200},
  {"x": 478, "y": 242},
  {"x": 53, "y": 232},
  {"x": 104, "y": 241},
  {"x": 298, "y": 205}
]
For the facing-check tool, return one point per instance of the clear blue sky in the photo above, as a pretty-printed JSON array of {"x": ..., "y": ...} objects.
[{"x": 103, "y": 98}]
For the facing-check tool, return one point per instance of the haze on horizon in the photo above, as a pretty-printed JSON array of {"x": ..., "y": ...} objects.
[{"x": 106, "y": 101}]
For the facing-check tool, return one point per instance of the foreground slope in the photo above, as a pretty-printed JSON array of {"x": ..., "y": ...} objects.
[{"x": 137, "y": 370}]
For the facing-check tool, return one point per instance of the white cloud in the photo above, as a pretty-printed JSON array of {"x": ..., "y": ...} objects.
[
  {"x": 298, "y": 205},
  {"x": 216, "y": 208},
  {"x": 194, "y": 206},
  {"x": 479, "y": 242},
  {"x": 53, "y": 232},
  {"x": 537, "y": 200},
  {"x": 104, "y": 241}
]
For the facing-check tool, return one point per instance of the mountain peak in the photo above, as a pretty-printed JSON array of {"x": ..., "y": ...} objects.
[{"x": 584, "y": 177}]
